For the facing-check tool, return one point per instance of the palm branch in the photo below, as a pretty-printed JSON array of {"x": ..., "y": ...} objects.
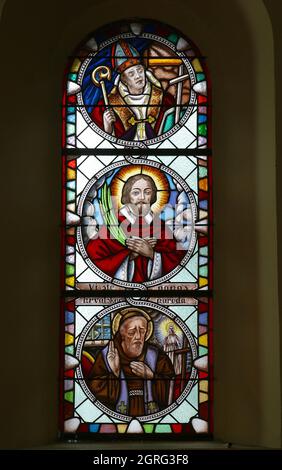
[{"x": 109, "y": 216}]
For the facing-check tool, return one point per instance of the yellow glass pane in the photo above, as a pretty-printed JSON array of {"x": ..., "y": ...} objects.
[
  {"x": 203, "y": 397},
  {"x": 121, "y": 428},
  {"x": 204, "y": 385},
  {"x": 203, "y": 340},
  {"x": 70, "y": 174},
  {"x": 70, "y": 281},
  {"x": 203, "y": 215},
  {"x": 164, "y": 62},
  {"x": 203, "y": 184},
  {"x": 68, "y": 339},
  {"x": 197, "y": 66},
  {"x": 203, "y": 282},
  {"x": 75, "y": 65}
]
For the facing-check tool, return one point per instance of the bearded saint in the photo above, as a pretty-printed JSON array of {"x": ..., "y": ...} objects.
[
  {"x": 131, "y": 376},
  {"x": 150, "y": 251}
]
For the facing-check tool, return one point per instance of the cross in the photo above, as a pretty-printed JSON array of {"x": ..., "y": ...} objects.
[
  {"x": 183, "y": 353},
  {"x": 122, "y": 408},
  {"x": 168, "y": 62}
]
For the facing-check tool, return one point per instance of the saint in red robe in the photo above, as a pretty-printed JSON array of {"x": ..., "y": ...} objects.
[
  {"x": 113, "y": 258},
  {"x": 125, "y": 124}
]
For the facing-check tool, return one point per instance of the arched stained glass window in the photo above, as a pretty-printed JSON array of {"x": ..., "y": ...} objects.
[{"x": 136, "y": 240}]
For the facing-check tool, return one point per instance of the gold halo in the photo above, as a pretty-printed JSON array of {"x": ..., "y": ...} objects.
[
  {"x": 166, "y": 323},
  {"x": 159, "y": 178},
  {"x": 129, "y": 312}
]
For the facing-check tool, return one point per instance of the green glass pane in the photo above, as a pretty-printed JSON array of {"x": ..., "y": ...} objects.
[
  {"x": 70, "y": 129},
  {"x": 203, "y": 251},
  {"x": 169, "y": 122},
  {"x": 69, "y": 269},
  {"x": 203, "y": 271},
  {"x": 200, "y": 77},
  {"x": 173, "y": 38},
  {"x": 72, "y": 76},
  {"x": 203, "y": 351},
  {"x": 69, "y": 396},
  {"x": 69, "y": 350},
  {"x": 163, "y": 428},
  {"x": 148, "y": 428},
  {"x": 203, "y": 171},
  {"x": 70, "y": 195},
  {"x": 202, "y": 129}
]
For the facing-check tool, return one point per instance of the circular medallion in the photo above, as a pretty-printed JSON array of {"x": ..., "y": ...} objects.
[
  {"x": 138, "y": 223},
  {"x": 141, "y": 358},
  {"x": 136, "y": 88}
]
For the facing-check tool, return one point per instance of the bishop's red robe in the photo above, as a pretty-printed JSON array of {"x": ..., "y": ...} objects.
[{"x": 159, "y": 103}]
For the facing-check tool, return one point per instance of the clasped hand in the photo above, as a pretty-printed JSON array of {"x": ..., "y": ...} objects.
[{"x": 141, "y": 246}]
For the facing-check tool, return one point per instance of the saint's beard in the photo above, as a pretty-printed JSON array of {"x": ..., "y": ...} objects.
[{"x": 132, "y": 349}]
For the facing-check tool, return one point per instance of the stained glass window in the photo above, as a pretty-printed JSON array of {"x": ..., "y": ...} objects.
[{"x": 136, "y": 238}]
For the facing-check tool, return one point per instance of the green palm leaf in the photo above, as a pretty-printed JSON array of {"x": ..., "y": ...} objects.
[{"x": 109, "y": 216}]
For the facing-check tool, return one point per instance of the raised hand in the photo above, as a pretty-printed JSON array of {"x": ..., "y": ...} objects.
[
  {"x": 141, "y": 370},
  {"x": 108, "y": 120},
  {"x": 113, "y": 358},
  {"x": 140, "y": 246}
]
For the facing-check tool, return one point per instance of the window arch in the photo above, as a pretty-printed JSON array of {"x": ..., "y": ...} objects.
[{"x": 137, "y": 239}]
